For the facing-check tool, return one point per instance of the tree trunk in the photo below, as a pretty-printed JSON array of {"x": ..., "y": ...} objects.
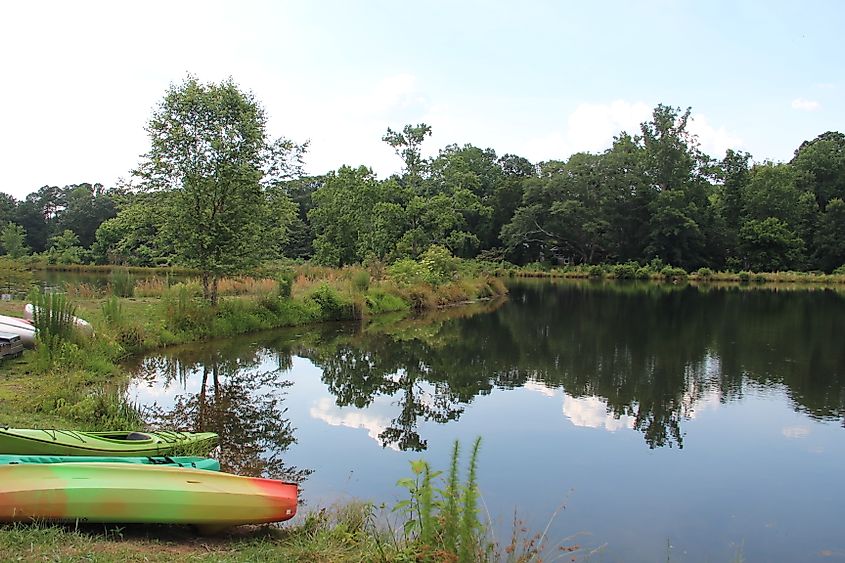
[
  {"x": 205, "y": 287},
  {"x": 214, "y": 284}
]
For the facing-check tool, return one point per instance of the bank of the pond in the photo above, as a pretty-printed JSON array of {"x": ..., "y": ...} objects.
[
  {"x": 66, "y": 386},
  {"x": 657, "y": 271},
  {"x": 78, "y": 384}
]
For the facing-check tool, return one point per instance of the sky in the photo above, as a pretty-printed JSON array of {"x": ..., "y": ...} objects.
[{"x": 540, "y": 79}]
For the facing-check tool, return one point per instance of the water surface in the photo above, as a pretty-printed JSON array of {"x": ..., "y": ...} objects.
[{"x": 697, "y": 424}]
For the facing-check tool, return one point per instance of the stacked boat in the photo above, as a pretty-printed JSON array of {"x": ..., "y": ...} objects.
[{"x": 130, "y": 477}]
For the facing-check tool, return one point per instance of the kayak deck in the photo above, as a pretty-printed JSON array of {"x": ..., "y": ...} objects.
[{"x": 25, "y": 441}]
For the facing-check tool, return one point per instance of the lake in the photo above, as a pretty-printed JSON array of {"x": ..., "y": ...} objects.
[{"x": 646, "y": 422}]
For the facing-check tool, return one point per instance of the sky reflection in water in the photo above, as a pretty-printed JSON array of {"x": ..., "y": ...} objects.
[{"x": 708, "y": 419}]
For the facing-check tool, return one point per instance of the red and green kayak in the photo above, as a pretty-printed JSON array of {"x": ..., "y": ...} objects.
[
  {"x": 26, "y": 441},
  {"x": 130, "y": 493},
  {"x": 163, "y": 461}
]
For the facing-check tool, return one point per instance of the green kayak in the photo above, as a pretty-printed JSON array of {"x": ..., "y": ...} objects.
[
  {"x": 163, "y": 461},
  {"x": 24, "y": 441}
]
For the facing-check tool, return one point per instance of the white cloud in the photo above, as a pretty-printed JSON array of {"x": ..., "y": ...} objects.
[
  {"x": 713, "y": 141},
  {"x": 795, "y": 431},
  {"x": 590, "y": 127},
  {"x": 591, "y": 412},
  {"x": 805, "y": 105},
  {"x": 539, "y": 387},
  {"x": 326, "y": 410}
]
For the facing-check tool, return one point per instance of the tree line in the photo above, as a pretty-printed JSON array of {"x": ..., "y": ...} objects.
[{"x": 216, "y": 193}]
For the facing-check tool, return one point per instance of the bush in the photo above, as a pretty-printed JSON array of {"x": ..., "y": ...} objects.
[
  {"x": 112, "y": 311},
  {"x": 744, "y": 277},
  {"x": 595, "y": 272},
  {"x": 704, "y": 273},
  {"x": 626, "y": 271},
  {"x": 406, "y": 272},
  {"x": 671, "y": 273},
  {"x": 644, "y": 273},
  {"x": 446, "y": 520},
  {"x": 284, "y": 284},
  {"x": 331, "y": 304},
  {"x": 840, "y": 271},
  {"x": 439, "y": 264},
  {"x": 122, "y": 282},
  {"x": 361, "y": 281},
  {"x": 184, "y": 313}
]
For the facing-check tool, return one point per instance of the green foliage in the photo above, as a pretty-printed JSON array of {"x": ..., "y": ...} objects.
[
  {"x": 65, "y": 249},
  {"x": 53, "y": 317},
  {"x": 361, "y": 281},
  {"x": 122, "y": 282},
  {"x": 444, "y": 522},
  {"x": 332, "y": 305},
  {"x": 102, "y": 410},
  {"x": 182, "y": 312},
  {"x": 439, "y": 264},
  {"x": 284, "y": 284},
  {"x": 13, "y": 241},
  {"x": 672, "y": 273},
  {"x": 626, "y": 271},
  {"x": 112, "y": 311},
  {"x": 704, "y": 273},
  {"x": 210, "y": 152},
  {"x": 770, "y": 245},
  {"x": 407, "y": 272},
  {"x": 595, "y": 272}
]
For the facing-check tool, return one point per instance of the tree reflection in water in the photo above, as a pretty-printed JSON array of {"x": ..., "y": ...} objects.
[
  {"x": 240, "y": 397},
  {"x": 650, "y": 353}
]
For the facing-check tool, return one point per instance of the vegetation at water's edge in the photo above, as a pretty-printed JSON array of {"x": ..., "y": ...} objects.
[
  {"x": 440, "y": 521},
  {"x": 63, "y": 382}
]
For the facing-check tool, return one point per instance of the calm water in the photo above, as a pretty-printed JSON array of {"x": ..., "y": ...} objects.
[{"x": 671, "y": 422}]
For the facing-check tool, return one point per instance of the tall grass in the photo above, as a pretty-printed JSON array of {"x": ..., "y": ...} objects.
[
  {"x": 53, "y": 317},
  {"x": 122, "y": 283},
  {"x": 444, "y": 523}
]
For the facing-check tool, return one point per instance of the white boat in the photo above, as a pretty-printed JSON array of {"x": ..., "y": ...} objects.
[
  {"x": 82, "y": 324},
  {"x": 20, "y": 327}
]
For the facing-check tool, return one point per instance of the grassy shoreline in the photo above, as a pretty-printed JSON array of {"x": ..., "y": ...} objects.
[{"x": 78, "y": 385}]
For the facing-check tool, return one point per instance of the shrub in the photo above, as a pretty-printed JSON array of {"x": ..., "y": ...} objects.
[
  {"x": 53, "y": 317},
  {"x": 672, "y": 273},
  {"x": 184, "y": 313},
  {"x": 644, "y": 273},
  {"x": 122, "y": 282},
  {"x": 284, "y": 283},
  {"x": 406, "y": 272},
  {"x": 704, "y": 273},
  {"x": 112, "y": 311},
  {"x": 444, "y": 520},
  {"x": 626, "y": 271},
  {"x": 744, "y": 277},
  {"x": 840, "y": 271},
  {"x": 361, "y": 281},
  {"x": 331, "y": 304},
  {"x": 595, "y": 272},
  {"x": 439, "y": 264}
]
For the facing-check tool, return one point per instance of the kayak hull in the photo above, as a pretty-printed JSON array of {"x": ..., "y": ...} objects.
[
  {"x": 20, "y": 327},
  {"x": 207, "y": 464},
  {"x": 22, "y": 441},
  {"x": 127, "y": 493}
]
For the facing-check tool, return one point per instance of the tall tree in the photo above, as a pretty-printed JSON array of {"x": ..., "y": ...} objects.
[
  {"x": 407, "y": 145},
  {"x": 210, "y": 148},
  {"x": 820, "y": 167}
]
